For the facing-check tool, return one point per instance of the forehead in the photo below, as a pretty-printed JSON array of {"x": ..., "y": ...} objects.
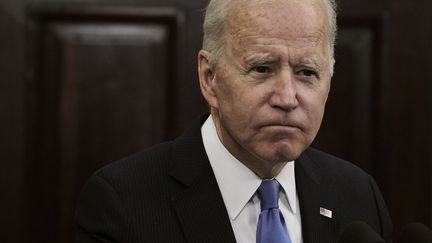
[{"x": 282, "y": 19}]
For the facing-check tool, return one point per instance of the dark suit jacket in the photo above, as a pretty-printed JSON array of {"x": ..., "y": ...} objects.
[{"x": 169, "y": 193}]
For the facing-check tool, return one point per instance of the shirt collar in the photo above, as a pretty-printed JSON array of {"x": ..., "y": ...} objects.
[
  {"x": 238, "y": 183},
  {"x": 287, "y": 180}
]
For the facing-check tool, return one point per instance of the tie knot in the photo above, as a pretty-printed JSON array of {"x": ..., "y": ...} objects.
[{"x": 268, "y": 193}]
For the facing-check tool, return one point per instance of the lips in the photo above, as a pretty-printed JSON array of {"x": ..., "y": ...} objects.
[{"x": 280, "y": 125}]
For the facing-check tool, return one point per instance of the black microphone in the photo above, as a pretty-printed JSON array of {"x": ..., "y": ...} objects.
[
  {"x": 359, "y": 232},
  {"x": 415, "y": 233}
]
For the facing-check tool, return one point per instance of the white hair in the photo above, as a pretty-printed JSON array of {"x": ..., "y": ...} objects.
[{"x": 215, "y": 19}]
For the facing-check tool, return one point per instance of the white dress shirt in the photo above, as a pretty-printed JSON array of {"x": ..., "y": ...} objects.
[{"x": 238, "y": 185}]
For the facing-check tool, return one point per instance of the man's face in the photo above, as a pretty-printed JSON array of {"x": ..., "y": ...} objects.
[{"x": 272, "y": 82}]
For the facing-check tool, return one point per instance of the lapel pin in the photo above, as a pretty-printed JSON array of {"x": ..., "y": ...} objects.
[{"x": 326, "y": 213}]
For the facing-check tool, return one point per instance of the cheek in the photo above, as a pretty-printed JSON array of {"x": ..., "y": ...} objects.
[
  {"x": 235, "y": 98},
  {"x": 314, "y": 106},
  {"x": 239, "y": 113}
]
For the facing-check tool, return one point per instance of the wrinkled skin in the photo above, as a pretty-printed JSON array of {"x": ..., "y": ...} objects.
[{"x": 268, "y": 92}]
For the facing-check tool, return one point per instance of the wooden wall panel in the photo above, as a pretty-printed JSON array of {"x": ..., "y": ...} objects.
[
  {"x": 12, "y": 103},
  {"x": 346, "y": 129},
  {"x": 408, "y": 93},
  {"x": 351, "y": 126},
  {"x": 102, "y": 89}
]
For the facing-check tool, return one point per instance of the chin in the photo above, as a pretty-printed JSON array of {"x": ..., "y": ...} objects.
[{"x": 283, "y": 153}]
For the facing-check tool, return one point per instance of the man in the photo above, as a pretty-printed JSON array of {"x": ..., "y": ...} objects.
[{"x": 265, "y": 71}]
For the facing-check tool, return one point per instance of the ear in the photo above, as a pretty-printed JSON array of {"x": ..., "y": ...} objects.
[
  {"x": 207, "y": 79},
  {"x": 332, "y": 64}
]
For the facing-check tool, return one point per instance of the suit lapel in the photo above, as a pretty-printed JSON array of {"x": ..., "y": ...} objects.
[
  {"x": 312, "y": 196},
  {"x": 202, "y": 213},
  {"x": 199, "y": 207}
]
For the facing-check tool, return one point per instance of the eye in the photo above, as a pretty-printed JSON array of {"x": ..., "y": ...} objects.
[
  {"x": 262, "y": 69},
  {"x": 308, "y": 73}
]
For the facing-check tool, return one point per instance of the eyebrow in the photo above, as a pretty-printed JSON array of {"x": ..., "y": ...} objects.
[
  {"x": 269, "y": 58},
  {"x": 311, "y": 61},
  {"x": 261, "y": 58}
]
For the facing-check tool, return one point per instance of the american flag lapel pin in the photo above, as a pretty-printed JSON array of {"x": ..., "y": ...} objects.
[{"x": 326, "y": 213}]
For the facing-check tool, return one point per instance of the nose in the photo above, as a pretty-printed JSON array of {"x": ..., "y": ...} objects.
[{"x": 284, "y": 93}]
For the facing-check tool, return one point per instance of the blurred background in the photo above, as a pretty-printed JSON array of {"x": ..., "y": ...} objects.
[{"x": 83, "y": 83}]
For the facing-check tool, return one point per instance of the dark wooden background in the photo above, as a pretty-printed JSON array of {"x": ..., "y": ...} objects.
[{"x": 83, "y": 83}]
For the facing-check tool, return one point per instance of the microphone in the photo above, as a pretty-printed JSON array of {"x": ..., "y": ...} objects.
[
  {"x": 359, "y": 232},
  {"x": 416, "y": 233}
]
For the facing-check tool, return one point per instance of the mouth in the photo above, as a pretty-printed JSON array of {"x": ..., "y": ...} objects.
[{"x": 280, "y": 126}]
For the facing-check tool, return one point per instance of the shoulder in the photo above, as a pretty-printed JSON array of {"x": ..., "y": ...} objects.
[
  {"x": 334, "y": 173},
  {"x": 154, "y": 167},
  {"x": 146, "y": 165},
  {"x": 352, "y": 191},
  {"x": 331, "y": 166},
  {"x": 155, "y": 163},
  {"x": 122, "y": 198}
]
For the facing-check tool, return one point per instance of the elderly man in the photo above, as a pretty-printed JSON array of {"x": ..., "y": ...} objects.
[{"x": 246, "y": 172}]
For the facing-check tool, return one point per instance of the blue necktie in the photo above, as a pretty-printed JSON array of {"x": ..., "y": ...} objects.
[{"x": 271, "y": 224}]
